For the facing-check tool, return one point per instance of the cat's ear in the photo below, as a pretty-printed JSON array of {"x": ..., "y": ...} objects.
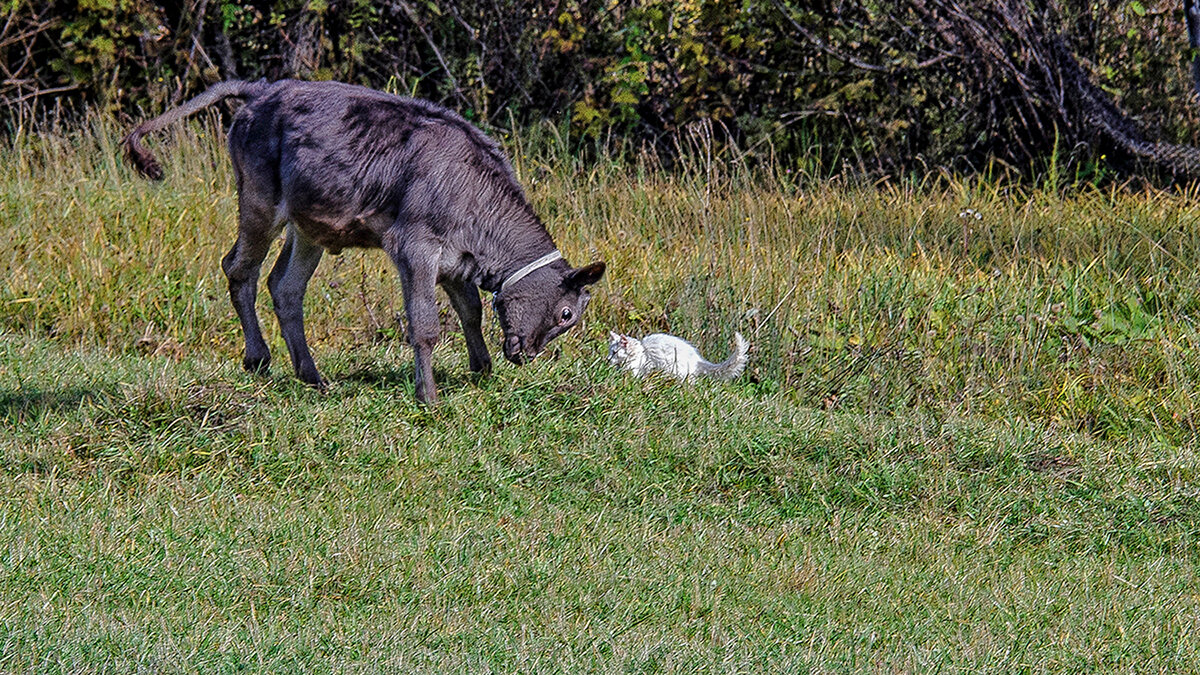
[{"x": 613, "y": 337}]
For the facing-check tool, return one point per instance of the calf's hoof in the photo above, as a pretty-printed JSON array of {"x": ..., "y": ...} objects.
[
  {"x": 259, "y": 365},
  {"x": 427, "y": 395},
  {"x": 312, "y": 378}
]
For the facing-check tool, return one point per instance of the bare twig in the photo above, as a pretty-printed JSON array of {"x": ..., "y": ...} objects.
[
  {"x": 824, "y": 46},
  {"x": 1192, "y": 12},
  {"x": 42, "y": 92},
  {"x": 199, "y": 13},
  {"x": 416, "y": 21},
  {"x": 24, "y": 23}
]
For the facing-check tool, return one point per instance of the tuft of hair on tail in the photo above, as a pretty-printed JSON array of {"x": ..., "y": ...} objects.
[{"x": 140, "y": 156}]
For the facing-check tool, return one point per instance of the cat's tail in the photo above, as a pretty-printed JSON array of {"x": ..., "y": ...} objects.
[{"x": 731, "y": 367}]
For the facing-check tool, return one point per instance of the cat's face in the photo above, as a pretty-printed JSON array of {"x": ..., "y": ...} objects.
[{"x": 618, "y": 348}]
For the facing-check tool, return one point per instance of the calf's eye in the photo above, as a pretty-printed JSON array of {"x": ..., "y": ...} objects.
[{"x": 566, "y": 315}]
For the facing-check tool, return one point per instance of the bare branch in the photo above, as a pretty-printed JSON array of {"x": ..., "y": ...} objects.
[
  {"x": 1192, "y": 13},
  {"x": 824, "y": 46},
  {"x": 416, "y": 21}
]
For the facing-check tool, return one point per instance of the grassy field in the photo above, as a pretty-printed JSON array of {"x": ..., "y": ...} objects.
[{"x": 967, "y": 439}]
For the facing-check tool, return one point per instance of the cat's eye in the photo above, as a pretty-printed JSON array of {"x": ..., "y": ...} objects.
[{"x": 566, "y": 315}]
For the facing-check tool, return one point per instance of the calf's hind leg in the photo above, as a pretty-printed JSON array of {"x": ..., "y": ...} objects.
[
  {"x": 287, "y": 283},
  {"x": 241, "y": 266}
]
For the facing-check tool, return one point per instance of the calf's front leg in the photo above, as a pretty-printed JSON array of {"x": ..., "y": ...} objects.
[
  {"x": 464, "y": 297},
  {"x": 419, "y": 281}
]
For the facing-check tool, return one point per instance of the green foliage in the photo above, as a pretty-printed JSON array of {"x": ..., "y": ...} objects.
[
  {"x": 1142, "y": 58},
  {"x": 94, "y": 48},
  {"x": 855, "y": 84}
]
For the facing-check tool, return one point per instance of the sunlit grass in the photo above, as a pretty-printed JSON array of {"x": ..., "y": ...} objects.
[
  {"x": 966, "y": 439},
  {"x": 1074, "y": 309}
]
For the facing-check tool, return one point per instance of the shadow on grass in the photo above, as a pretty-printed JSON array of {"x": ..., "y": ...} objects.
[
  {"x": 18, "y": 405},
  {"x": 380, "y": 376}
]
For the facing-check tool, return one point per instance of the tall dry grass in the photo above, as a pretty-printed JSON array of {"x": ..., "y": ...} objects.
[{"x": 1075, "y": 307}]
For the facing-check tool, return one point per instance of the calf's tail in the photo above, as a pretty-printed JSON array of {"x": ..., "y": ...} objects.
[
  {"x": 141, "y": 157},
  {"x": 731, "y": 367}
]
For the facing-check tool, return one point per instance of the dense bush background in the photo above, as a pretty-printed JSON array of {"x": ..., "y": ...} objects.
[{"x": 877, "y": 85}]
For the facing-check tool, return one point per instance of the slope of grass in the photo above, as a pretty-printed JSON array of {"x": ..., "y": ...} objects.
[{"x": 964, "y": 444}]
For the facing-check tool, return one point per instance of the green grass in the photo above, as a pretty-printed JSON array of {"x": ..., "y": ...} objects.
[{"x": 962, "y": 445}]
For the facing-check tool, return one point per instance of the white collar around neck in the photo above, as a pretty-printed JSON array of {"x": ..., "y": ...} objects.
[{"x": 529, "y": 269}]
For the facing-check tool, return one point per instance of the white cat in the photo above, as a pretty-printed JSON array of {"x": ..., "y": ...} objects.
[{"x": 673, "y": 356}]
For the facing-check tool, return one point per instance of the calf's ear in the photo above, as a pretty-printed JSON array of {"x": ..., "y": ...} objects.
[{"x": 585, "y": 276}]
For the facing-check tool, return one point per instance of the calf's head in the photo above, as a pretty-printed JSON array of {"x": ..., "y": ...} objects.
[{"x": 543, "y": 306}]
